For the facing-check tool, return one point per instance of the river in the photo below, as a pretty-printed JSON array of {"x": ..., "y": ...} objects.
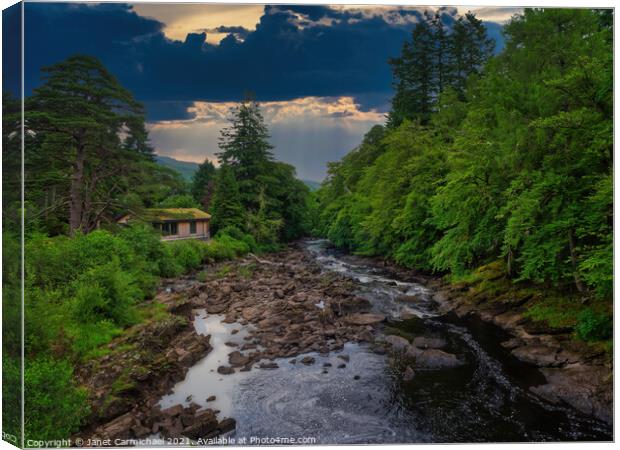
[{"x": 487, "y": 399}]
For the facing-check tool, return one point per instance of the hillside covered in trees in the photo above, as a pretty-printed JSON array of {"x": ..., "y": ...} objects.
[{"x": 504, "y": 160}]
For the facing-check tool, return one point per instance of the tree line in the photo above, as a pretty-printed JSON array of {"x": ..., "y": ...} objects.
[{"x": 509, "y": 159}]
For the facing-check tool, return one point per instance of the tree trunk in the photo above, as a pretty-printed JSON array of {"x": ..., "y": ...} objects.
[
  {"x": 77, "y": 186},
  {"x": 573, "y": 259}
]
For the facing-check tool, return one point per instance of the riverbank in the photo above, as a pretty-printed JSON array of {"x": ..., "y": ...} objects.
[
  {"x": 577, "y": 373},
  {"x": 287, "y": 305},
  {"x": 312, "y": 332}
]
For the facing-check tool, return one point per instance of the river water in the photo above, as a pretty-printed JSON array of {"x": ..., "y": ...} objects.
[{"x": 485, "y": 400}]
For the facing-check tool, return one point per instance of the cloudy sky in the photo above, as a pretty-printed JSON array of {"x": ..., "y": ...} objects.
[{"x": 320, "y": 72}]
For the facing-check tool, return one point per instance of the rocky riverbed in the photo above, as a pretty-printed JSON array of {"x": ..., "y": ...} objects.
[{"x": 352, "y": 342}]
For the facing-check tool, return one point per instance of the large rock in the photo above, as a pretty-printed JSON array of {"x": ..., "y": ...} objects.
[
  {"x": 203, "y": 424},
  {"x": 407, "y": 299},
  {"x": 217, "y": 308},
  {"x": 237, "y": 359},
  {"x": 433, "y": 358},
  {"x": 409, "y": 374},
  {"x": 398, "y": 343},
  {"x": 350, "y": 306},
  {"x": 428, "y": 342},
  {"x": 225, "y": 370},
  {"x": 364, "y": 319},
  {"x": 539, "y": 355},
  {"x": 586, "y": 388},
  {"x": 119, "y": 428}
]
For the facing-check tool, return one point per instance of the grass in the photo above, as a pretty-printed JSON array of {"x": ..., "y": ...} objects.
[
  {"x": 223, "y": 271},
  {"x": 589, "y": 320},
  {"x": 246, "y": 271}
]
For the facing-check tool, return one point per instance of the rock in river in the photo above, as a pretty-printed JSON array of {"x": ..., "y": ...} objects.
[
  {"x": 398, "y": 343},
  {"x": 237, "y": 359},
  {"x": 307, "y": 360},
  {"x": 409, "y": 374},
  {"x": 225, "y": 370},
  {"x": 429, "y": 342},
  {"x": 433, "y": 358},
  {"x": 364, "y": 319}
]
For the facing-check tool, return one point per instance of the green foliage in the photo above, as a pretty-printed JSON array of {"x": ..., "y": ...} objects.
[
  {"x": 227, "y": 209},
  {"x": 179, "y": 201},
  {"x": 89, "y": 147},
  {"x": 513, "y": 163},
  {"x": 203, "y": 183},
  {"x": 252, "y": 191},
  {"x": 106, "y": 292},
  {"x": 434, "y": 60},
  {"x": 54, "y": 406},
  {"x": 592, "y": 326}
]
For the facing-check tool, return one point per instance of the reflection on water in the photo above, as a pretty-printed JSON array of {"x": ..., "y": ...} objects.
[
  {"x": 487, "y": 399},
  {"x": 202, "y": 380}
]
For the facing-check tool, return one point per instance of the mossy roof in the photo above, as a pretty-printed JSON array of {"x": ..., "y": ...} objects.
[{"x": 174, "y": 214}]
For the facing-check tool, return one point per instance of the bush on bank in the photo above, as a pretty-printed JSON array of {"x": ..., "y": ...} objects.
[{"x": 80, "y": 293}]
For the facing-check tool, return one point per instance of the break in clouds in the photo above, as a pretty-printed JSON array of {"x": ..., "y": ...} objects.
[{"x": 306, "y": 132}]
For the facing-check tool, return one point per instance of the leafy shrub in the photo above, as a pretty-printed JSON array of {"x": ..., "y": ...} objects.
[
  {"x": 54, "y": 406},
  {"x": 86, "y": 337},
  {"x": 238, "y": 235},
  {"x": 179, "y": 201},
  {"x": 187, "y": 254},
  {"x": 107, "y": 293},
  {"x": 593, "y": 326}
]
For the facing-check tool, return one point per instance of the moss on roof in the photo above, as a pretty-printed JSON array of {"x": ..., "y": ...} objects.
[{"x": 164, "y": 214}]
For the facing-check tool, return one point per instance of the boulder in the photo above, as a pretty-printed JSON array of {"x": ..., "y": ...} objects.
[
  {"x": 433, "y": 358},
  {"x": 172, "y": 411},
  {"x": 227, "y": 425},
  {"x": 407, "y": 299},
  {"x": 204, "y": 423},
  {"x": 307, "y": 360},
  {"x": 225, "y": 370},
  {"x": 429, "y": 342},
  {"x": 268, "y": 365},
  {"x": 119, "y": 428},
  {"x": 237, "y": 359},
  {"x": 364, "y": 319},
  {"x": 398, "y": 343},
  {"x": 409, "y": 374},
  {"x": 539, "y": 355}
]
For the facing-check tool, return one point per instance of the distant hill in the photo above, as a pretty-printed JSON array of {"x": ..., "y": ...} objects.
[
  {"x": 312, "y": 185},
  {"x": 185, "y": 168},
  {"x": 188, "y": 168}
]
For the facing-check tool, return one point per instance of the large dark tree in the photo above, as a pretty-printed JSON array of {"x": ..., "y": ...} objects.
[
  {"x": 90, "y": 141},
  {"x": 245, "y": 148},
  {"x": 227, "y": 209},
  {"x": 436, "y": 58},
  {"x": 414, "y": 77},
  {"x": 203, "y": 183}
]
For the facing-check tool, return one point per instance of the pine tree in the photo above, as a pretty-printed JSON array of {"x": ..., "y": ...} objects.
[
  {"x": 433, "y": 60},
  {"x": 413, "y": 73},
  {"x": 469, "y": 47},
  {"x": 203, "y": 183},
  {"x": 245, "y": 148},
  {"x": 227, "y": 209},
  {"x": 90, "y": 131}
]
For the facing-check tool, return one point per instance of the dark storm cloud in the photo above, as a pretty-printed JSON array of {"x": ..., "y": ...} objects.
[{"x": 295, "y": 51}]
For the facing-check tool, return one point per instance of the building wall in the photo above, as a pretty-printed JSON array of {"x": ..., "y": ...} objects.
[{"x": 202, "y": 231}]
